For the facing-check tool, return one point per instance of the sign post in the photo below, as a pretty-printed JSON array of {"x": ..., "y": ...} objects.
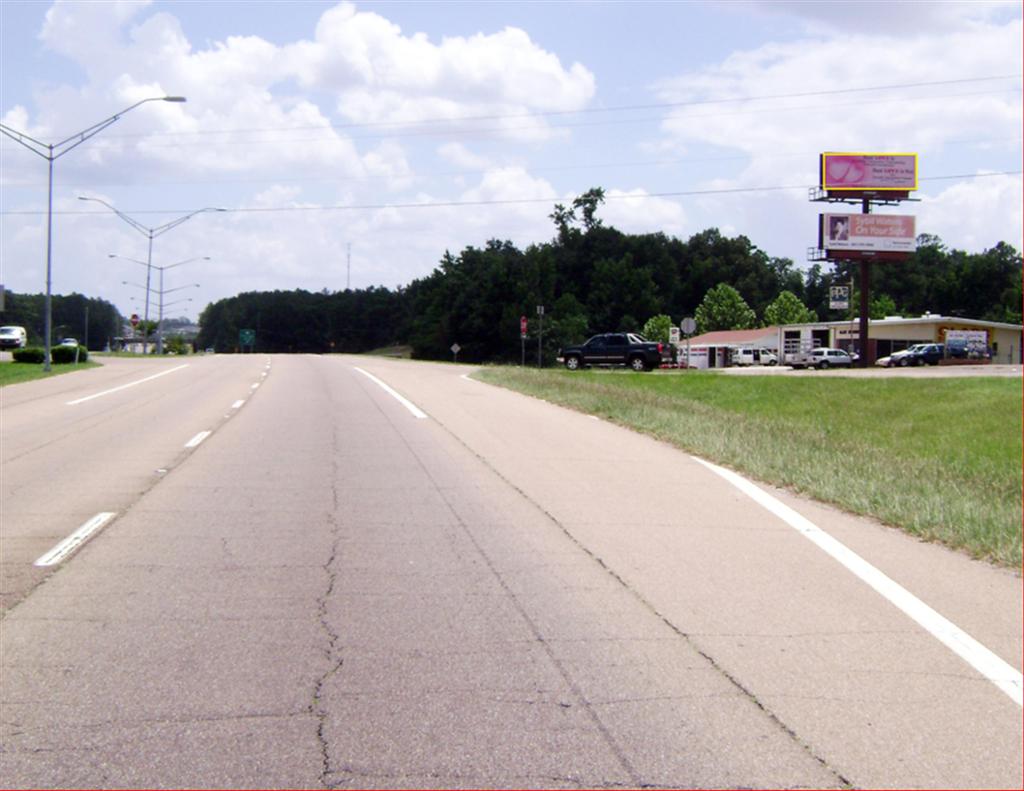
[
  {"x": 522, "y": 340},
  {"x": 540, "y": 333},
  {"x": 135, "y": 323},
  {"x": 688, "y": 326},
  {"x": 247, "y": 338},
  {"x": 455, "y": 351}
]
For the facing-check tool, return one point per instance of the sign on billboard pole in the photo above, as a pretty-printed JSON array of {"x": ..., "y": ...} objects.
[
  {"x": 888, "y": 233},
  {"x": 868, "y": 172},
  {"x": 839, "y": 298}
]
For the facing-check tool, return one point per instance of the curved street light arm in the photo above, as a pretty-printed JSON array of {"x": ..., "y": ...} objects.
[
  {"x": 21, "y": 137},
  {"x": 177, "y": 302},
  {"x": 162, "y": 229},
  {"x": 169, "y": 266},
  {"x": 180, "y": 263},
  {"x": 138, "y": 226},
  {"x": 179, "y": 288},
  {"x": 78, "y": 137}
]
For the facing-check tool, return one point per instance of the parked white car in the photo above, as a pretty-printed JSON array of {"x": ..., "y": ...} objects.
[{"x": 13, "y": 337}]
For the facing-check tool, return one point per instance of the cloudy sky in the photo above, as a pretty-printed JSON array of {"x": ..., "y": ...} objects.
[{"x": 355, "y": 142}]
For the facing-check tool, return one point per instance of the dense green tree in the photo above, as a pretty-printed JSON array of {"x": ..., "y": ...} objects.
[
  {"x": 724, "y": 309},
  {"x": 881, "y": 306},
  {"x": 74, "y": 315},
  {"x": 658, "y": 328},
  {"x": 788, "y": 309}
]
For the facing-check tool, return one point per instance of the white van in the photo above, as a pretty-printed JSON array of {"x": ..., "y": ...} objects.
[
  {"x": 754, "y": 357},
  {"x": 13, "y": 337}
]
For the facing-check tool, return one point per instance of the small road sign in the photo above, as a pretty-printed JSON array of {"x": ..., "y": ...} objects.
[
  {"x": 134, "y": 319},
  {"x": 689, "y": 326},
  {"x": 522, "y": 326}
]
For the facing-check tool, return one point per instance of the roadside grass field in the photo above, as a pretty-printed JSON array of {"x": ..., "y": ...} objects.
[
  {"x": 938, "y": 458},
  {"x": 14, "y": 373}
]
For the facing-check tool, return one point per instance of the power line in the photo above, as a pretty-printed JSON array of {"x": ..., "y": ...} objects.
[
  {"x": 423, "y": 176},
  {"x": 580, "y": 111},
  {"x": 517, "y": 201}
]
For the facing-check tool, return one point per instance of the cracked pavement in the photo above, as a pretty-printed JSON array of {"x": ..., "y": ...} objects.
[{"x": 332, "y": 594}]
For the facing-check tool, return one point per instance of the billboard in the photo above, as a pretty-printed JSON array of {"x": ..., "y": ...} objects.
[
  {"x": 868, "y": 172},
  {"x": 870, "y": 232},
  {"x": 972, "y": 344}
]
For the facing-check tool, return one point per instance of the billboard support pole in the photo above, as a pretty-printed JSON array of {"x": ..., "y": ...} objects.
[{"x": 865, "y": 302}]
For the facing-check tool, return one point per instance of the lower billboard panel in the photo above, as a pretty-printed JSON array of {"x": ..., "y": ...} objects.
[{"x": 867, "y": 232}]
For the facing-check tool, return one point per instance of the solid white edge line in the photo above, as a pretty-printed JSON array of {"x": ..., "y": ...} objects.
[
  {"x": 415, "y": 410},
  {"x": 75, "y": 540},
  {"x": 1001, "y": 673},
  {"x": 125, "y": 387},
  {"x": 238, "y": 404},
  {"x": 194, "y": 442}
]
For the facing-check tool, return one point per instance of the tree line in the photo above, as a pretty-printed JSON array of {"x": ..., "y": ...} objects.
[
  {"x": 593, "y": 278},
  {"x": 73, "y": 315},
  {"x": 590, "y": 278}
]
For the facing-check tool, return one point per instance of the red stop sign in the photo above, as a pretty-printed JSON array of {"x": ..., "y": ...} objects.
[
  {"x": 522, "y": 326},
  {"x": 134, "y": 319}
]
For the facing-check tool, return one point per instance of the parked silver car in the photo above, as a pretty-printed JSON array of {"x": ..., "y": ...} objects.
[{"x": 822, "y": 358}]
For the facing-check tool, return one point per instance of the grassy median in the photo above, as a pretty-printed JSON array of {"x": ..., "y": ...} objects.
[
  {"x": 939, "y": 458},
  {"x": 16, "y": 373}
]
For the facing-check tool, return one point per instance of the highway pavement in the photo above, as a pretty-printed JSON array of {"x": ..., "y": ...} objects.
[{"x": 332, "y": 572}]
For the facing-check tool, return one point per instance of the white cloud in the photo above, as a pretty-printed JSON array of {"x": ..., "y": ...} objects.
[
  {"x": 899, "y": 17},
  {"x": 972, "y": 215},
  {"x": 635, "y": 211},
  {"x": 460, "y": 156},
  {"x": 380, "y": 74}
]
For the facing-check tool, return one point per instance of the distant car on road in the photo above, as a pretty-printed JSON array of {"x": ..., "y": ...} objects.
[
  {"x": 822, "y": 358},
  {"x": 13, "y": 337},
  {"x": 68, "y": 342},
  {"x": 615, "y": 348}
]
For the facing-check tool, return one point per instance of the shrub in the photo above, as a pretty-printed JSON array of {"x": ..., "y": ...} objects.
[
  {"x": 66, "y": 354},
  {"x": 30, "y": 354}
]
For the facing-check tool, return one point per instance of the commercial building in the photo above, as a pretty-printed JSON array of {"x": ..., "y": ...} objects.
[
  {"x": 894, "y": 333},
  {"x": 885, "y": 336},
  {"x": 716, "y": 349}
]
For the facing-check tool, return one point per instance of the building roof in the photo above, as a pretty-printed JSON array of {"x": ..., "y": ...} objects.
[
  {"x": 735, "y": 337},
  {"x": 930, "y": 318}
]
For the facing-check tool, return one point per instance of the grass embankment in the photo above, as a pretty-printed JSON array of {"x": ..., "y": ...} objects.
[
  {"x": 15, "y": 373},
  {"x": 939, "y": 458}
]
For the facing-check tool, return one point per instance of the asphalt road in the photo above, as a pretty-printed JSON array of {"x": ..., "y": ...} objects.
[{"x": 336, "y": 588}]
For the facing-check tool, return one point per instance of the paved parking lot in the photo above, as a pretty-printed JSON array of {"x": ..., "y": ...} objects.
[{"x": 917, "y": 372}]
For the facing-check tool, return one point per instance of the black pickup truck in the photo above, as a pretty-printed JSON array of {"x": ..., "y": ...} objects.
[{"x": 614, "y": 348}]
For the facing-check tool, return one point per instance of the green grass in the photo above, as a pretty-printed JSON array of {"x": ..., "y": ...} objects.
[
  {"x": 939, "y": 458},
  {"x": 12, "y": 373}
]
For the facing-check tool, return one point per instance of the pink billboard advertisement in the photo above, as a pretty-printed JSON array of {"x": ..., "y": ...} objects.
[
  {"x": 878, "y": 232},
  {"x": 869, "y": 172}
]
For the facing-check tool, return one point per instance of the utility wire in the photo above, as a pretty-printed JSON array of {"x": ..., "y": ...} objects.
[
  {"x": 581, "y": 111},
  {"x": 515, "y": 201}
]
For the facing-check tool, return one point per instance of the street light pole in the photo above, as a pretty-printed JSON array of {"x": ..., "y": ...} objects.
[
  {"x": 160, "y": 291},
  {"x": 51, "y": 152},
  {"x": 150, "y": 233}
]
